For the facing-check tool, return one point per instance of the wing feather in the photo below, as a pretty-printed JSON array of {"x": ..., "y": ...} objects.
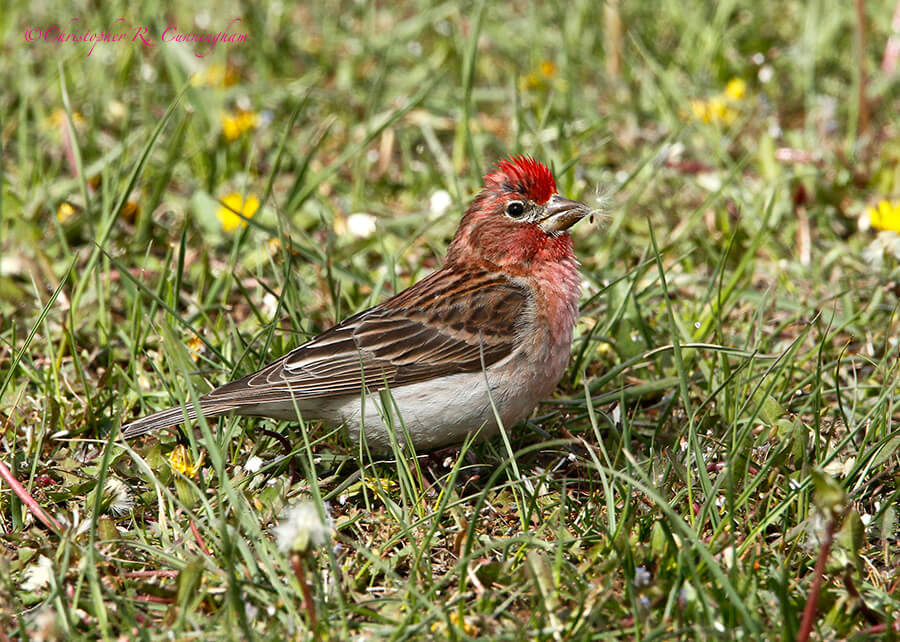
[{"x": 448, "y": 323}]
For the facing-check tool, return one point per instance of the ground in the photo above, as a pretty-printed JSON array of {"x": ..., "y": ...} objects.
[{"x": 174, "y": 214}]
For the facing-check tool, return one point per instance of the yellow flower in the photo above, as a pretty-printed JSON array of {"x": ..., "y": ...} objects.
[
  {"x": 195, "y": 346},
  {"x": 236, "y": 123},
  {"x": 700, "y": 109},
  {"x": 58, "y": 117},
  {"x": 234, "y": 204},
  {"x": 130, "y": 211},
  {"x": 461, "y": 623},
  {"x": 537, "y": 78},
  {"x": 180, "y": 461},
  {"x": 886, "y": 216},
  {"x": 381, "y": 484},
  {"x": 714, "y": 110},
  {"x": 736, "y": 89},
  {"x": 531, "y": 81},
  {"x": 719, "y": 108},
  {"x": 65, "y": 212},
  {"x": 721, "y": 111},
  {"x": 215, "y": 75}
]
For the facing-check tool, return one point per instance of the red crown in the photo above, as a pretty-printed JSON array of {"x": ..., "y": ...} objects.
[{"x": 526, "y": 176}]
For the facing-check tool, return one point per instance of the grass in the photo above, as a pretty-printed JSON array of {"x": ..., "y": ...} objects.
[{"x": 720, "y": 460}]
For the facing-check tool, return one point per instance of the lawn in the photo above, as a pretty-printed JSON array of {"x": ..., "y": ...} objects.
[{"x": 721, "y": 457}]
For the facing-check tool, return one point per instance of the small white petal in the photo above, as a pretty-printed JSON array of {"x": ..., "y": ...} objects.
[
  {"x": 616, "y": 414},
  {"x": 710, "y": 181},
  {"x": 302, "y": 528},
  {"x": 440, "y": 202},
  {"x": 361, "y": 225},
  {"x": 269, "y": 305},
  {"x": 148, "y": 73},
  {"x": 253, "y": 464},
  {"x": 38, "y": 575}
]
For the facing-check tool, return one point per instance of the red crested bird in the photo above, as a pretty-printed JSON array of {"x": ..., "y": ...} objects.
[{"x": 485, "y": 337}]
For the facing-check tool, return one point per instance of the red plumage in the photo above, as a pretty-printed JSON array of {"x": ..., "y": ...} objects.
[{"x": 526, "y": 176}]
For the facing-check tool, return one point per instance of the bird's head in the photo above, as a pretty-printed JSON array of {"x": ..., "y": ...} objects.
[{"x": 518, "y": 219}]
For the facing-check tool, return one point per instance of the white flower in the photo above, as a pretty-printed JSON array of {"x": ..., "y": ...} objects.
[
  {"x": 884, "y": 246},
  {"x": 38, "y": 575},
  {"x": 269, "y": 305},
  {"x": 864, "y": 222},
  {"x": 440, "y": 202},
  {"x": 361, "y": 225},
  {"x": 253, "y": 464},
  {"x": 302, "y": 528},
  {"x": 148, "y": 73}
]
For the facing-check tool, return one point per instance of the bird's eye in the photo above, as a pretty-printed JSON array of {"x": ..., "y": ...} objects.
[{"x": 515, "y": 209}]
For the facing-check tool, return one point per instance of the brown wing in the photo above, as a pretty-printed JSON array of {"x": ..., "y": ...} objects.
[{"x": 448, "y": 323}]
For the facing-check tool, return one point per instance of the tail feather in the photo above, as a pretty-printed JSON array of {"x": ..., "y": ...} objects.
[{"x": 170, "y": 417}]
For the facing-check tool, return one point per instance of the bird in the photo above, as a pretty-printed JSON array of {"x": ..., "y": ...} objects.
[{"x": 476, "y": 344}]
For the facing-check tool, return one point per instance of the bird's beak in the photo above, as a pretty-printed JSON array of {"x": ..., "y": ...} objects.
[{"x": 562, "y": 213}]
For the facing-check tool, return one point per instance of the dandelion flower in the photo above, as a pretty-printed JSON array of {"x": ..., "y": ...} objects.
[
  {"x": 464, "y": 623},
  {"x": 720, "y": 111},
  {"x": 59, "y": 117},
  {"x": 130, "y": 211},
  {"x": 233, "y": 203},
  {"x": 180, "y": 461},
  {"x": 537, "y": 79},
  {"x": 700, "y": 110},
  {"x": 236, "y": 123},
  {"x": 720, "y": 108},
  {"x": 195, "y": 346},
  {"x": 884, "y": 217},
  {"x": 215, "y": 76},
  {"x": 117, "y": 499},
  {"x": 302, "y": 528},
  {"x": 65, "y": 212},
  {"x": 736, "y": 89}
]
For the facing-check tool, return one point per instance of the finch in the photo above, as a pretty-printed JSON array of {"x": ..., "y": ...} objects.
[{"x": 480, "y": 341}]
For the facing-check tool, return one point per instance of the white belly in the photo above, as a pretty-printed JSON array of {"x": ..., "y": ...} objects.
[
  {"x": 436, "y": 413},
  {"x": 432, "y": 413}
]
